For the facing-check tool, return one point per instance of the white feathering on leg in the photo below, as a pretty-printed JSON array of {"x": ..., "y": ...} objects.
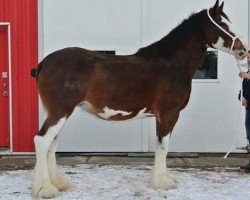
[
  {"x": 42, "y": 186},
  {"x": 54, "y": 174},
  {"x": 162, "y": 179}
]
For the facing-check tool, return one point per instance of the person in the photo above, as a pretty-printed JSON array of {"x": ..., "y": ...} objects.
[{"x": 246, "y": 104}]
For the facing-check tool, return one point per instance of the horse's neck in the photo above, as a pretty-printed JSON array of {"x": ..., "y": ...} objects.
[{"x": 191, "y": 55}]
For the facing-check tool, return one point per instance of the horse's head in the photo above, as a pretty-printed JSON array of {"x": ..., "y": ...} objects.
[{"x": 220, "y": 35}]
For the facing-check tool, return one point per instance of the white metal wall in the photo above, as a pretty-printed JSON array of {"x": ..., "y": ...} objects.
[{"x": 208, "y": 122}]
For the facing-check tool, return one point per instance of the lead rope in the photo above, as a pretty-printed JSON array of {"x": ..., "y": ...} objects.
[
  {"x": 238, "y": 121},
  {"x": 231, "y": 52}
]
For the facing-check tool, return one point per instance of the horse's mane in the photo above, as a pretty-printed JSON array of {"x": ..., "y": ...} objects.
[{"x": 168, "y": 45}]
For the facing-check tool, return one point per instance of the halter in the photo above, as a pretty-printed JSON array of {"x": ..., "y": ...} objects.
[{"x": 231, "y": 36}]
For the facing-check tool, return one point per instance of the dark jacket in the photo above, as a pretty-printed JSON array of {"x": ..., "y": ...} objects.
[{"x": 246, "y": 91}]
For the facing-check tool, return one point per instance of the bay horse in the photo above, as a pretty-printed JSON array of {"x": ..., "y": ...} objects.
[{"x": 155, "y": 81}]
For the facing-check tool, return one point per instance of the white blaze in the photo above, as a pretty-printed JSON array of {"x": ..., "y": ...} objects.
[{"x": 220, "y": 43}]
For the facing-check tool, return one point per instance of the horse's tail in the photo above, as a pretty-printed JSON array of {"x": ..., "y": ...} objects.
[{"x": 34, "y": 72}]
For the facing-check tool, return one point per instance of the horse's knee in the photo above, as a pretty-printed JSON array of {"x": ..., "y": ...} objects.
[{"x": 165, "y": 142}]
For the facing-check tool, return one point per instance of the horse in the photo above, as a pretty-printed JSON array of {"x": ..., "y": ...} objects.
[{"x": 154, "y": 81}]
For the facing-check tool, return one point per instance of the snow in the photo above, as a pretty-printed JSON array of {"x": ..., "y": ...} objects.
[{"x": 98, "y": 182}]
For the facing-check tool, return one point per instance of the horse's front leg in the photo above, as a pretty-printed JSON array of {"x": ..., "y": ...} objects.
[
  {"x": 54, "y": 174},
  {"x": 42, "y": 187},
  {"x": 162, "y": 179}
]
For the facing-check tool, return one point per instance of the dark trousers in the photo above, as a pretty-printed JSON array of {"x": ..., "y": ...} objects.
[{"x": 247, "y": 124}]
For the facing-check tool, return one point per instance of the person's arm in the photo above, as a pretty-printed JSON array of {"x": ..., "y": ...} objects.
[
  {"x": 244, "y": 75},
  {"x": 244, "y": 102}
]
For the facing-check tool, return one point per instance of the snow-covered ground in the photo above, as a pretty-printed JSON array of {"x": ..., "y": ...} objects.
[{"x": 94, "y": 182}]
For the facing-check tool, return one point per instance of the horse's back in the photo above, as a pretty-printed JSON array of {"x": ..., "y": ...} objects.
[
  {"x": 71, "y": 76},
  {"x": 75, "y": 59}
]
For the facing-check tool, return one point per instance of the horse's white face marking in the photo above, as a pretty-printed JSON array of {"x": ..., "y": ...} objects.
[
  {"x": 110, "y": 112},
  {"x": 142, "y": 114},
  {"x": 220, "y": 45}
]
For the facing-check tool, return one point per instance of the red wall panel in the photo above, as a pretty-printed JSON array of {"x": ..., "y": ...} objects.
[{"x": 23, "y": 17}]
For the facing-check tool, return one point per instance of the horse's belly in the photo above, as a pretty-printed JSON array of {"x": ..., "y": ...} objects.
[{"x": 107, "y": 113}]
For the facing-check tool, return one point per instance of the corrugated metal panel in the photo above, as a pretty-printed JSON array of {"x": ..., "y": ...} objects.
[{"x": 22, "y": 16}]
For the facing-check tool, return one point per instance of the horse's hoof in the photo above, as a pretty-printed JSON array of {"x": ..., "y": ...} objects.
[
  {"x": 164, "y": 181},
  {"x": 172, "y": 176},
  {"x": 48, "y": 192},
  {"x": 62, "y": 184},
  {"x": 35, "y": 190}
]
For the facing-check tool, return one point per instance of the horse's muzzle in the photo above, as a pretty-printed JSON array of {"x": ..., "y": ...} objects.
[
  {"x": 240, "y": 49},
  {"x": 240, "y": 54}
]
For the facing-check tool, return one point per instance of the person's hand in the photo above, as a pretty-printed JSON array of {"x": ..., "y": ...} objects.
[
  {"x": 244, "y": 75},
  {"x": 244, "y": 102}
]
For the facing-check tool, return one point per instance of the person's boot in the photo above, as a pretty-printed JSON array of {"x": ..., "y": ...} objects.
[{"x": 246, "y": 168}]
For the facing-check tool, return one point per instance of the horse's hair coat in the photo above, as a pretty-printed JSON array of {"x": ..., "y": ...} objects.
[{"x": 155, "y": 81}]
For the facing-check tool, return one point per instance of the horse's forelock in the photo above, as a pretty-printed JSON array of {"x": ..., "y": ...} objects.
[{"x": 225, "y": 16}]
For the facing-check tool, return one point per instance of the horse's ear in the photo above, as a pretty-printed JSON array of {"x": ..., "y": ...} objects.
[
  {"x": 221, "y": 7},
  {"x": 214, "y": 10},
  {"x": 216, "y": 5}
]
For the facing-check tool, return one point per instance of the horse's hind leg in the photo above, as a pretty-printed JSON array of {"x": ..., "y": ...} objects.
[
  {"x": 41, "y": 183},
  {"x": 54, "y": 174}
]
